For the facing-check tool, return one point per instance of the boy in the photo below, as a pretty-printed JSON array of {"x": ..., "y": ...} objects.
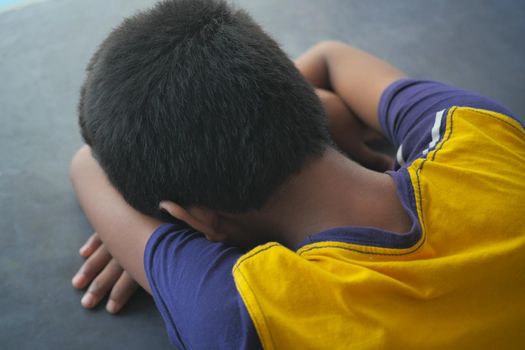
[{"x": 217, "y": 188}]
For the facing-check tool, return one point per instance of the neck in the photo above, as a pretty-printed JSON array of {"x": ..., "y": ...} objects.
[{"x": 331, "y": 192}]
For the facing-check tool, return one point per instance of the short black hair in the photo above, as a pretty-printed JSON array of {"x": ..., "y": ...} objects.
[{"x": 191, "y": 101}]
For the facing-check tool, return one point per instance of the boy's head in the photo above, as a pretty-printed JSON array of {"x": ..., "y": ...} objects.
[{"x": 193, "y": 103}]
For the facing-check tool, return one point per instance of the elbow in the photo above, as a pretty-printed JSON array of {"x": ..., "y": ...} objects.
[
  {"x": 76, "y": 163},
  {"x": 330, "y": 44}
]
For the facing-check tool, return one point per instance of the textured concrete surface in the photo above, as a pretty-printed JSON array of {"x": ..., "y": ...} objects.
[{"x": 44, "y": 48}]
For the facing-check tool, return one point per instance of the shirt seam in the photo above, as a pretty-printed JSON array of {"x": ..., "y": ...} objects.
[
  {"x": 482, "y": 111},
  {"x": 418, "y": 171},
  {"x": 265, "y": 321},
  {"x": 251, "y": 254}
]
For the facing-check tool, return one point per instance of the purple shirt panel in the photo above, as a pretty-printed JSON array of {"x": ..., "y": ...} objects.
[{"x": 192, "y": 284}]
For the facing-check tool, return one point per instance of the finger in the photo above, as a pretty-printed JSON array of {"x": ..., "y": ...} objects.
[
  {"x": 91, "y": 245},
  {"x": 91, "y": 267},
  {"x": 102, "y": 284},
  {"x": 121, "y": 292}
]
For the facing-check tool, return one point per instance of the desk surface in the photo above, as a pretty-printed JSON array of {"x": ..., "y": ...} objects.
[{"x": 44, "y": 48}]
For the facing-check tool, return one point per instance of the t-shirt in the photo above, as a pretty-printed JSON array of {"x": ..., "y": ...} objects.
[{"x": 455, "y": 280}]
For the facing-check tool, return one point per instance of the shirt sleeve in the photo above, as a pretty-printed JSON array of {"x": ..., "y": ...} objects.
[
  {"x": 412, "y": 113},
  {"x": 192, "y": 284}
]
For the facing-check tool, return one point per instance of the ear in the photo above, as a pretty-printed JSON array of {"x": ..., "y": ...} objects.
[{"x": 201, "y": 219}]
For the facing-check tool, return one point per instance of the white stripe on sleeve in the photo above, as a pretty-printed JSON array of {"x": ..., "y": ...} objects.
[
  {"x": 399, "y": 156},
  {"x": 435, "y": 132}
]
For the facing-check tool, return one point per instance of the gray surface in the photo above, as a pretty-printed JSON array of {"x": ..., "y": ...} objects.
[{"x": 43, "y": 50}]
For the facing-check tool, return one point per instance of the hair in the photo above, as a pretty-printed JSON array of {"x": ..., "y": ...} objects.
[{"x": 191, "y": 101}]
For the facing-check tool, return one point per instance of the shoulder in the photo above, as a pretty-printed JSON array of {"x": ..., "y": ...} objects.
[{"x": 414, "y": 113}]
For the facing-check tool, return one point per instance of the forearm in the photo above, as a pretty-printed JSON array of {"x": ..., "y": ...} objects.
[
  {"x": 359, "y": 78},
  {"x": 123, "y": 230},
  {"x": 337, "y": 112}
]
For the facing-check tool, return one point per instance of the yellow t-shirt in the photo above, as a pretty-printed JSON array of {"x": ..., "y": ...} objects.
[{"x": 456, "y": 280}]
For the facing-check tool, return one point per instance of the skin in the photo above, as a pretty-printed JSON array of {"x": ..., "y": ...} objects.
[
  {"x": 104, "y": 275},
  {"x": 331, "y": 191}
]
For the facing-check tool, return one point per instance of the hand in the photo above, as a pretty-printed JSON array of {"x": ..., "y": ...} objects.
[
  {"x": 104, "y": 275},
  {"x": 351, "y": 135}
]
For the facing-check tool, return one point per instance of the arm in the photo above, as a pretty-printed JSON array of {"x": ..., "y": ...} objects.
[
  {"x": 191, "y": 277},
  {"x": 102, "y": 274},
  {"x": 350, "y": 134},
  {"x": 357, "y": 77},
  {"x": 123, "y": 230}
]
